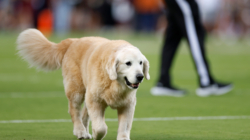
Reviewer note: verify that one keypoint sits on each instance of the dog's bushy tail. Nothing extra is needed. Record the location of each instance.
(35, 48)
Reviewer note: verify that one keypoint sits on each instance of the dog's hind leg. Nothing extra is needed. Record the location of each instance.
(75, 102)
(96, 112)
(75, 93)
(85, 119)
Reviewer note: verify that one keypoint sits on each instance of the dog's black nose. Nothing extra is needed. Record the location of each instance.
(139, 77)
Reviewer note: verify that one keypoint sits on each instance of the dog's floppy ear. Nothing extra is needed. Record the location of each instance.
(146, 68)
(111, 68)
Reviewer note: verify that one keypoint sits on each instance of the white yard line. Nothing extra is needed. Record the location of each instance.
(139, 119)
(44, 94)
(52, 94)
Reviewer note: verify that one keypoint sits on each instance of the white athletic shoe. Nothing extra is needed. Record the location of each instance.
(215, 89)
(164, 91)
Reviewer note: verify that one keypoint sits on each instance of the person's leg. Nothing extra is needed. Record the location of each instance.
(191, 26)
(171, 41)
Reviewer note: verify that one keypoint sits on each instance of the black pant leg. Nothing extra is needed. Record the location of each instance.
(172, 39)
(186, 14)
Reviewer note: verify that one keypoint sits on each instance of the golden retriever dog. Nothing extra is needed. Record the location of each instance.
(96, 71)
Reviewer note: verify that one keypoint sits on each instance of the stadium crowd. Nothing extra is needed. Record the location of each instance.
(220, 17)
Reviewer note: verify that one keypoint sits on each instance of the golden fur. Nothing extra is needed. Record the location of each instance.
(92, 72)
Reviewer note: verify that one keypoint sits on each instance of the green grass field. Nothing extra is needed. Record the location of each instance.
(28, 94)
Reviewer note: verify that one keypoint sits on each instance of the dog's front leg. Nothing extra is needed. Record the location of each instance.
(125, 117)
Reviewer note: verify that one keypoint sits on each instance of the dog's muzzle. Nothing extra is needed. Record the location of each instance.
(134, 86)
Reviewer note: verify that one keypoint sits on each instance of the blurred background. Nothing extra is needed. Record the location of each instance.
(222, 18)
(29, 94)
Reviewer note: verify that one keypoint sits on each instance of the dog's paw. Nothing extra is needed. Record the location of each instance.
(81, 134)
(123, 137)
(89, 136)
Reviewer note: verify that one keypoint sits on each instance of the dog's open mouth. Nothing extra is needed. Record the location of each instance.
(135, 86)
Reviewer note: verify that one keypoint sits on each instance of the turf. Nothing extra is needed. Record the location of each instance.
(29, 94)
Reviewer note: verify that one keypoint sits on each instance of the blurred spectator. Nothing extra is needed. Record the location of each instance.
(105, 12)
(11, 14)
(83, 17)
(234, 19)
(7, 15)
(24, 8)
(38, 6)
(45, 22)
(62, 15)
(226, 18)
(123, 12)
(209, 12)
(147, 12)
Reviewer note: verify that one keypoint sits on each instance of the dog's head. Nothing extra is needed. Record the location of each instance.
(128, 66)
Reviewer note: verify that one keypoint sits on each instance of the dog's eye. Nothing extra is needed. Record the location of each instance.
(128, 63)
(140, 62)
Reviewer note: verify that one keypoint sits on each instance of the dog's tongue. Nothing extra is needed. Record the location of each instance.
(135, 85)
